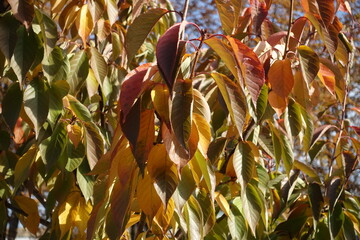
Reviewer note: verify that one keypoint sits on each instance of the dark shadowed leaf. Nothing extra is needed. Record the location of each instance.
(131, 124)
(337, 218)
(308, 170)
(181, 111)
(319, 132)
(36, 102)
(139, 30)
(23, 11)
(11, 104)
(333, 192)
(316, 199)
(55, 65)
(8, 35)
(168, 52)
(57, 91)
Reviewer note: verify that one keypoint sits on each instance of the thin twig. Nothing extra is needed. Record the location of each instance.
(185, 10)
(289, 27)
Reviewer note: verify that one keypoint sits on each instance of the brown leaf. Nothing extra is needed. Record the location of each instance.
(277, 102)
(281, 77)
(327, 11)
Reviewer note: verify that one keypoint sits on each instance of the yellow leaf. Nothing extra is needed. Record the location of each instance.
(160, 97)
(29, 206)
(84, 23)
(281, 77)
(67, 212)
(204, 131)
(277, 103)
(163, 216)
(134, 218)
(223, 204)
(148, 199)
(82, 216)
(74, 133)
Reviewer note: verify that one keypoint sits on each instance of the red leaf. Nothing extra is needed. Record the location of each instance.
(132, 86)
(275, 38)
(259, 12)
(327, 11)
(251, 68)
(296, 32)
(168, 52)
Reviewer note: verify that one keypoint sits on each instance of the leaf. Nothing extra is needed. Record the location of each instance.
(36, 102)
(23, 166)
(229, 14)
(336, 220)
(48, 31)
(319, 132)
(201, 106)
(84, 23)
(98, 65)
(236, 221)
(57, 91)
(79, 69)
(204, 130)
(300, 91)
(308, 170)
(75, 156)
(145, 138)
(11, 104)
(78, 109)
(277, 102)
(244, 162)
(259, 12)
(181, 111)
(85, 182)
(131, 87)
(281, 77)
(262, 100)
(194, 219)
(309, 63)
(185, 188)
(131, 125)
(293, 118)
(30, 207)
(53, 147)
(223, 204)
(297, 30)
(94, 143)
(327, 77)
(252, 70)
(148, 198)
(24, 56)
(160, 98)
(252, 206)
(92, 85)
(8, 35)
(327, 11)
(168, 52)
(333, 192)
(23, 11)
(112, 10)
(56, 67)
(234, 99)
(287, 153)
(316, 199)
(206, 171)
(163, 171)
(164, 215)
(139, 29)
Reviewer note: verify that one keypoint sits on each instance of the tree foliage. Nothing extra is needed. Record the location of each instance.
(114, 124)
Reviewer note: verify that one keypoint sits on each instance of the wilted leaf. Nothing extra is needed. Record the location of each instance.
(139, 30)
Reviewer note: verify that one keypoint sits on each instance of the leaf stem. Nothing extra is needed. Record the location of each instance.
(289, 27)
(197, 55)
(185, 10)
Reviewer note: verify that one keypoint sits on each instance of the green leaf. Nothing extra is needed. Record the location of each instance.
(76, 156)
(23, 11)
(207, 172)
(57, 91)
(24, 55)
(139, 30)
(244, 162)
(23, 166)
(308, 128)
(79, 110)
(8, 35)
(308, 170)
(349, 230)
(316, 199)
(337, 218)
(262, 102)
(53, 147)
(36, 102)
(86, 182)
(98, 65)
(48, 31)
(287, 153)
(234, 99)
(181, 111)
(252, 206)
(185, 188)
(309, 63)
(56, 67)
(11, 104)
(236, 221)
(94, 143)
(194, 219)
(293, 118)
(79, 69)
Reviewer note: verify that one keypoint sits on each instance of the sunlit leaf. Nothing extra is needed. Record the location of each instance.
(252, 206)
(201, 107)
(327, 77)
(277, 102)
(84, 23)
(281, 77)
(327, 11)
(309, 62)
(160, 96)
(98, 65)
(194, 219)
(236, 221)
(48, 30)
(244, 162)
(79, 69)
(229, 12)
(94, 143)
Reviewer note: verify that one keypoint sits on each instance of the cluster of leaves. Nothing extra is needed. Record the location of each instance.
(111, 127)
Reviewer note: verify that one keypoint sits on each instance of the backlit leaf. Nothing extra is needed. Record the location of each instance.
(229, 14)
(98, 65)
(201, 107)
(259, 12)
(139, 30)
(327, 77)
(30, 207)
(309, 62)
(293, 119)
(308, 170)
(234, 99)
(281, 77)
(160, 96)
(84, 23)
(204, 133)
(244, 162)
(236, 221)
(277, 102)
(36, 102)
(194, 219)
(327, 11)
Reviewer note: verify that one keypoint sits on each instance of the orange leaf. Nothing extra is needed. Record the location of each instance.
(327, 77)
(277, 103)
(281, 77)
(327, 11)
